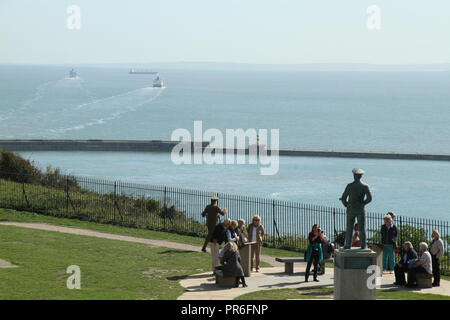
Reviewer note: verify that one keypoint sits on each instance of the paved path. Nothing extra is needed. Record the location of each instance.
(6, 264)
(202, 286)
(97, 234)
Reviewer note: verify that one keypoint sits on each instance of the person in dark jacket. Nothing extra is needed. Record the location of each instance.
(231, 263)
(219, 236)
(314, 252)
(402, 266)
(389, 236)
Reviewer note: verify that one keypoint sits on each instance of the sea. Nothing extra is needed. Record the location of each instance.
(315, 110)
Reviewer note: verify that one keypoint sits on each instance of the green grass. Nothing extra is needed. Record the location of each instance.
(327, 293)
(22, 216)
(110, 269)
(285, 294)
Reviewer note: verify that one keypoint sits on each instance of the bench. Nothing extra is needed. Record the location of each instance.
(289, 263)
(424, 280)
(224, 282)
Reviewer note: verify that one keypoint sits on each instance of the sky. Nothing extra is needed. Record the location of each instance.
(240, 31)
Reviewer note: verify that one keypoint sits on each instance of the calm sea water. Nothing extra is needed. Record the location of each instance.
(375, 111)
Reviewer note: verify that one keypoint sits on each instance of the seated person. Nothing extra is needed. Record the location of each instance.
(421, 266)
(231, 263)
(402, 266)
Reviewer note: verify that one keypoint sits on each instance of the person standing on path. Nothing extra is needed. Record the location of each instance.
(389, 237)
(314, 254)
(358, 195)
(255, 232)
(211, 213)
(437, 253)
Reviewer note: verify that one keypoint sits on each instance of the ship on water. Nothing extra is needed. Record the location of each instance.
(158, 83)
(72, 73)
(133, 71)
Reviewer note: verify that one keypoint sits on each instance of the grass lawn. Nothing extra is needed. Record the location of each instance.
(327, 293)
(21, 216)
(110, 269)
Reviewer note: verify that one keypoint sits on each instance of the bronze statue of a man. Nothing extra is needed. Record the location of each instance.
(358, 194)
(211, 213)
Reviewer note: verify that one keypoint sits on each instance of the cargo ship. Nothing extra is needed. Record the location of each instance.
(133, 71)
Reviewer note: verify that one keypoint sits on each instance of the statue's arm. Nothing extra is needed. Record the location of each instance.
(368, 196)
(344, 196)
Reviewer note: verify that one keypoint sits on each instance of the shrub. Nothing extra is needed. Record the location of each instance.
(14, 167)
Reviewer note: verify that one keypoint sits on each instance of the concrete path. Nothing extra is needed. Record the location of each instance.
(103, 235)
(5, 264)
(202, 286)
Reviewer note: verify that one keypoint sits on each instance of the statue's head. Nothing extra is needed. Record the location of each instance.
(214, 200)
(357, 174)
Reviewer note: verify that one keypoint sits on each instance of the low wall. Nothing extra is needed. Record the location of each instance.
(166, 146)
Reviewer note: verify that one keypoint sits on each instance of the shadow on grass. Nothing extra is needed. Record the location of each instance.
(195, 276)
(176, 251)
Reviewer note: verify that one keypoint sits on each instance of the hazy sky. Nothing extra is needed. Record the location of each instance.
(249, 31)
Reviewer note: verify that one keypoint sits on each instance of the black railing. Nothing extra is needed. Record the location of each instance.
(171, 209)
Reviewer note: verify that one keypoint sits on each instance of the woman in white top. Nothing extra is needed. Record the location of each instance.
(423, 265)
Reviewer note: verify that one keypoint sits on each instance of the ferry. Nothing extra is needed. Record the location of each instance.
(72, 74)
(133, 71)
(157, 83)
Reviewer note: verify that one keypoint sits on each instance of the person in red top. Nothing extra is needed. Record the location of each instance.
(356, 242)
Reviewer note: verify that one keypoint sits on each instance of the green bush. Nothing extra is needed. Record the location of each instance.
(14, 167)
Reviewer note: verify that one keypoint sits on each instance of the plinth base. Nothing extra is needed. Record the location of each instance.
(350, 274)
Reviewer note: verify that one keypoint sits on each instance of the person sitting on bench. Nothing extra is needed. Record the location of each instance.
(421, 266)
(402, 266)
(231, 263)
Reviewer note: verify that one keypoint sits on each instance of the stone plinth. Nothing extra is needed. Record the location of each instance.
(246, 255)
(350, 274)
(378, 248)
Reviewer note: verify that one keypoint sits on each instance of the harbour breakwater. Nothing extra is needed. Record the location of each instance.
(167, 146)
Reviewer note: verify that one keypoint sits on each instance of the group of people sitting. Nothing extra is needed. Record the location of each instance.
(410, 263)
(234, 234)
(428, 263)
